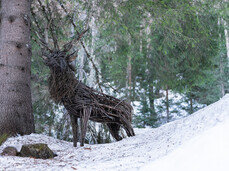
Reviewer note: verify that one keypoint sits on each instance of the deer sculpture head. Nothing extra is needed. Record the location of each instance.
(62, 81)
(60, 60)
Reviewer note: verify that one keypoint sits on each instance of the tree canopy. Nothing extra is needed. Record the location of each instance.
(144, 51)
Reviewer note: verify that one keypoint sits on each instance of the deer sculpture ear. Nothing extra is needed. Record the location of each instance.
(72, 58)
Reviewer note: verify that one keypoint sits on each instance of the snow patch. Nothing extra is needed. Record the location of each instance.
(207, 151)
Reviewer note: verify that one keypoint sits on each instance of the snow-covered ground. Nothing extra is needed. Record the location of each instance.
(208, 151)
(197, 143)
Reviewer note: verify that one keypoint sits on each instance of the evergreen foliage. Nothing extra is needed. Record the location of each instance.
(142, 49)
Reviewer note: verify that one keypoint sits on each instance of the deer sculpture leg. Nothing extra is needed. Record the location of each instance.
(114, 130)
(128, 128)
(74, 121)
(84, 117)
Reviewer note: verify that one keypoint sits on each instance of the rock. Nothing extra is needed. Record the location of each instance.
(9, 151)
(39, 151)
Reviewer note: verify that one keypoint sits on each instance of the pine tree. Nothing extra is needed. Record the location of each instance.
(15, 52)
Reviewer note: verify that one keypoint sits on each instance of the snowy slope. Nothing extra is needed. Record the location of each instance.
(208, 151)
(192, 141)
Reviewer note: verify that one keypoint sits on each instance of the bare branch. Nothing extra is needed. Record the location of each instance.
(87, 53)
(49, 20)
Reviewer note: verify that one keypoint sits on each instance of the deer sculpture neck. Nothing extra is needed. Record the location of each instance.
(61, 85)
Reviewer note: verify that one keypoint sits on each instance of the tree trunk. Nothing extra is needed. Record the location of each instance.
(227, 37)
(128, 75)
(221, 77)
(129, 79)
(93, 27)
(151, 100)
(221, 64)
(191, 105)
(167, 103)
(15, 68)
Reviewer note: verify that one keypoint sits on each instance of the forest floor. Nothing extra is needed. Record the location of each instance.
(196, 143)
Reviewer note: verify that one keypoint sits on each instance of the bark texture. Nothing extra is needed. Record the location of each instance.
(15, 95)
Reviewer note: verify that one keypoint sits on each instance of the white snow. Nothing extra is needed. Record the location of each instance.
(208, 151)
(197, 143)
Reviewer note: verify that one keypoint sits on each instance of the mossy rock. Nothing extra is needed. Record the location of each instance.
(3, 138)
(38, 151)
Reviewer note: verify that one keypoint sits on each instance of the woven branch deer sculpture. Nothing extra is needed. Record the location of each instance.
(82, 101)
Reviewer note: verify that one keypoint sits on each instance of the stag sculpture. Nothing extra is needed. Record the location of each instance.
(82, 101)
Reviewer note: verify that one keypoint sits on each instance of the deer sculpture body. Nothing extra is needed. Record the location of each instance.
(84, 102)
